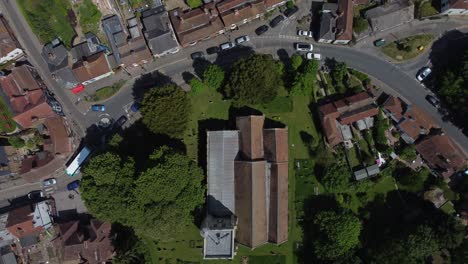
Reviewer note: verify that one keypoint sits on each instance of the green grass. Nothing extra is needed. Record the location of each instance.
(106, 92)
(267, 259)
(49, 19)
(140, 3)
(89, 17)
(6, 118)
(407, 47)
(425, 9)
(353, 158)
(281, 104)
(448, 208)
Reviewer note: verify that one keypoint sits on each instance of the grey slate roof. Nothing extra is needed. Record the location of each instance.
(157, 30)
(373, 170)
(115, 34)
(222, 148)
(219, 243)
(360, 174)
(390, 15)
(65, 78)
(56, 55)
(8, 258)
(28, 241)
(327, 24)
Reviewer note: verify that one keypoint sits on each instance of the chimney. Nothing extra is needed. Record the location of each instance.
(86, 64)
(236, 12)
(51, 56)
(206, 11)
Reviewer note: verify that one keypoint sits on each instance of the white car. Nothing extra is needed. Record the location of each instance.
(227, 45)
(242, 39)
(303, 47)
(304, 33)
(423, 73)
(314, 56)
(49, 182)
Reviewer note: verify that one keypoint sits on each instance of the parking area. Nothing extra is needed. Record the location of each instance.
(68, 202)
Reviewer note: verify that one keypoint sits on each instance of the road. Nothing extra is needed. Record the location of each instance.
(400, 78)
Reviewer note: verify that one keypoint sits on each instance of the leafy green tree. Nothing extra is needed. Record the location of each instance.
(339, 75)
(213, 76)
(194, 3)
(255, 80)
(16, 142)
(408, 153)
(115, 140)
(165, 110)
(196, 86)
(338, 233)
(89, 16)
(296, 61)
(409, 179)
(304, 83)
(336, 178)
(360, 24)
(290, 4)
(381, 125)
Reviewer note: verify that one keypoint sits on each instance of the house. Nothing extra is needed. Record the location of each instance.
(238, 12)
(59, 141)
(390, 15)
(115, 35)
(6, 238)
(9, 46)
(33, 112)
(28, 221)
(20, 81)
(337, 117)
(8, 258)
(134, 52)
(219, 237)
(410, 120)
(192, 26)
(56, 55)
(158, 32)
(336, 22)
(86, 48)
(92, 68)
(84, 241)
(247, 186)
(454, 7)
(441, 154)
(272, 4)
(36, 161)
(65, 78)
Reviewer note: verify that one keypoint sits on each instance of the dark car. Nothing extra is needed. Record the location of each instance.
(135, 107)
(261, 30)
(433, 100)
(196, 55)
(73, 185)
(379, 42)
(212, 50)
(35, 195)
(290, 11)
(121, 121)
(275, 22)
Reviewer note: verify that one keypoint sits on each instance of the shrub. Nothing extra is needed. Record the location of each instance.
(196, 85)
(360, 24)
(290, 4)
(296, 61)
(194, 3)
(16, 142)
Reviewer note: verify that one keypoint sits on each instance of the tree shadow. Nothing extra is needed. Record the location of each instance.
(199, 66)
(148, 81)
(446, 51)
(187, 76)
(226, 59)
(284, 57)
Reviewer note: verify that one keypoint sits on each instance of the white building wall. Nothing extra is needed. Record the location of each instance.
(15, 54)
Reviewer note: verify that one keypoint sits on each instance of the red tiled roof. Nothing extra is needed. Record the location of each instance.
(394, 105)
(278, 219)
(94, 66)
(416, 122)
(458, 4)
(270, 3)
(237, 15)
(28, 118)
(276, 144)
(227, 5)
(328, 109)
(7, 41)
(441, 154)
(356, 116)
(58, 133)
(332, 133)
(251, 200)
(344, 22)
(20, 222)
(135, 52)
(19, 81)
(359, 97)
(251, 136)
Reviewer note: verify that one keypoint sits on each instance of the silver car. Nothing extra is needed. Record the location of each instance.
(49, 182)
(424, 73)
(242, 39)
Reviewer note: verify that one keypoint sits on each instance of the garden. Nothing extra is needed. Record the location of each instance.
(7, 124)
(407, 48)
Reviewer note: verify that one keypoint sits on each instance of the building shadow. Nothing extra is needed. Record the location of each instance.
(204, 126)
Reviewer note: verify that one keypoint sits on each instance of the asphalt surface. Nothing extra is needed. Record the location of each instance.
(400, 78)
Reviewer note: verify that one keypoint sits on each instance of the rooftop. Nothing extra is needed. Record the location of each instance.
(92, 67)
(7, 40)
(56, 55)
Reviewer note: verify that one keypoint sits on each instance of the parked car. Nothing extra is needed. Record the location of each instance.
(242, 39)
(303, 47)
(35, 195)
(49, 182)
(314, 56)
(423, 73)
(290, 11)
(135, 106)
(73, 185)
(212, 50)
(98, 108)
(227, 46)
(304, 33)
(196, 55)
(276, 21)
(379, 42)
(121, 121)
(261, 30)
(433, 100)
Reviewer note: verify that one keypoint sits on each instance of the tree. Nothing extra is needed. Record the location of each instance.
(255, 80)
(304, 83)
(196, 86)
(336, 178)
(381, 125)
(409, 179)
(339, 75)
(156, 202)
(16, 142)
(338, 233)
(408, 153)
(213, 76)
(165, 110)
(194, 3)
(360, 24)
(290, 4)
(296, 61)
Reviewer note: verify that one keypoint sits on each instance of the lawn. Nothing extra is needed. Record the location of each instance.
(49, 19)
(6, 122)
(407, 48)
(425, 9)
(106, 92)
(89, 17)
(353, 158)
(267, 259)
